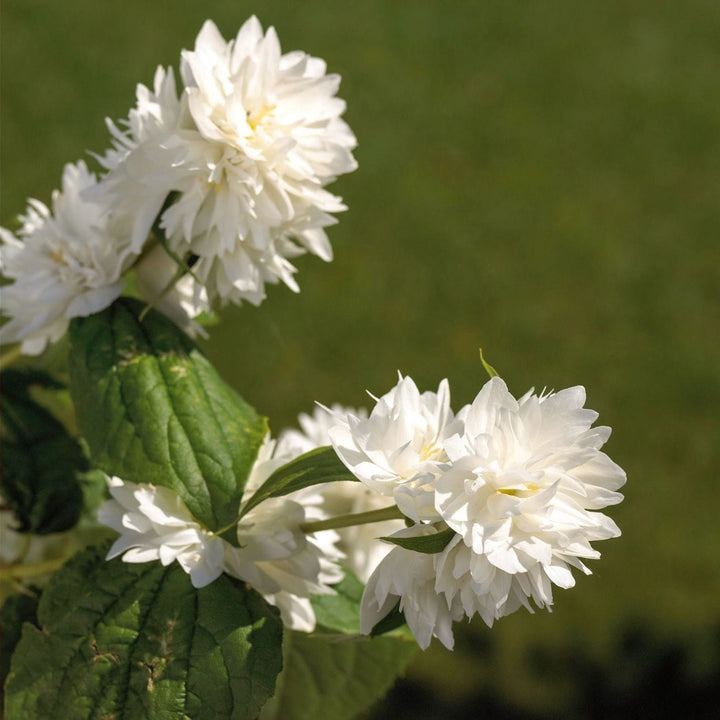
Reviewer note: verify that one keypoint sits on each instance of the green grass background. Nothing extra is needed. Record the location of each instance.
(539, 179)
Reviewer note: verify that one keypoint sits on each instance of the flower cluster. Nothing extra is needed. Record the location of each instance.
(207, 194)
(275, 556)
(511, 486)
(247, 149)
(65, 263)
(357, 544)
(506, 491)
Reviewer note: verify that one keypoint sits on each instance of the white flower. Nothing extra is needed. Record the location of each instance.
(398, 451)
(272, 455)
(155, 524)
(281, 562)
(519, 482)
(247, 148)
(361, 550)
(409, 577)
(314, 429)
(145, 154)
(471, 584)
(269, 459)
(526, 481)
(274, 555)
(181, 300)
(66, 263)
(435, 590)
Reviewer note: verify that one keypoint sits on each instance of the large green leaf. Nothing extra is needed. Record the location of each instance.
(321, 465)
(138, 641)
(336, 679)
(41, 463)
(154, 410)
(335, 673)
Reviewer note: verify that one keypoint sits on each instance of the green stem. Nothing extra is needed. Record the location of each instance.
(388, 513)
(341, 521)
(10, 357)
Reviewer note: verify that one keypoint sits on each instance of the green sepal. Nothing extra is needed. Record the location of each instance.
(139, 641)
(153, 410)
(429, 544)
(392, 621)
(41, 462)
(489, 369)
(321, 465)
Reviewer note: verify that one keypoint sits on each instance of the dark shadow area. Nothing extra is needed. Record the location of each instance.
(647, 677)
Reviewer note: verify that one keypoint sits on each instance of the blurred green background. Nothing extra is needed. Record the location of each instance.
(539, 179)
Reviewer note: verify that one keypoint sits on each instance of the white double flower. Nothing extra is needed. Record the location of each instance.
(518, 481)
(247, 149)
(207, 194)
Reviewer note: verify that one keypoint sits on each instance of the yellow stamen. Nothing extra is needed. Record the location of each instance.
(58, 256)
(254, 119)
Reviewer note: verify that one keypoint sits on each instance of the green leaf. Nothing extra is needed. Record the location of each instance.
(138, 641)
(340, 612)
(94, 490)
(335, 678)
(16, 610)
(321, 465)
(429, 544)
(153, 410)
(489, 369)
(335, 673)
(41, 463)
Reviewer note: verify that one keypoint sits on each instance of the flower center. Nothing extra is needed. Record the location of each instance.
(430, 451)
(254, 118)
(523, 490)
(58, 255)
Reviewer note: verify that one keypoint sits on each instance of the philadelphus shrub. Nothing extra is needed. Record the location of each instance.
(225, 539)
